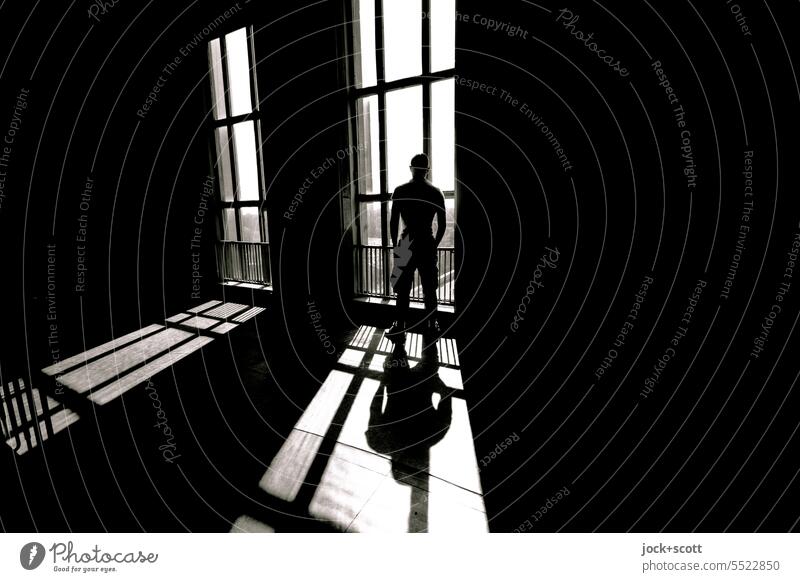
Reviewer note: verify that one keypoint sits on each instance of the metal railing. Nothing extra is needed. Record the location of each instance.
(374, 269)
(247, 262)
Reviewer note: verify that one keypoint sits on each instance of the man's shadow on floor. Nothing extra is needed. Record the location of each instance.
(409, 414)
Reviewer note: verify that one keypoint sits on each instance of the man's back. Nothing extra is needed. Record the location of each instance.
(417, 202)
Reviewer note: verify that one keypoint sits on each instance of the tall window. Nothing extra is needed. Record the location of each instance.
(243, 248)
(402, 103)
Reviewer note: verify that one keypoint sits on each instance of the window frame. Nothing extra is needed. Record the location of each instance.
(229, 121)
(381, 88)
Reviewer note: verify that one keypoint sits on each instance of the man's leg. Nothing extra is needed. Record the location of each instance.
(429, 276)
(403, 290)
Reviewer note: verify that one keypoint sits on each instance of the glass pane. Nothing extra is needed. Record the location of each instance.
(238, 72)
(369, 161)
(244, 149)
(443, 133)
(228, 224)
(223, 163)
(266, 227)
(450, 234)
(370, 218)
(402, 38)
(217, 86)
(403, 132)
(443, 34)
(364, 42)
(248, 223)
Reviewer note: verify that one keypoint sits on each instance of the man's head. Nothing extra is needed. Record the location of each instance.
(420, 166)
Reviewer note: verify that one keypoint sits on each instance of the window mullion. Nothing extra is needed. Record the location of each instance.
(426, 86)
(380, 63)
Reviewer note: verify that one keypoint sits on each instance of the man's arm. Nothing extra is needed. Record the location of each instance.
(394, 221)
(441, 219)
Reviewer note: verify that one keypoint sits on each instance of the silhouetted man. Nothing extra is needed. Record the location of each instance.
(416, 202)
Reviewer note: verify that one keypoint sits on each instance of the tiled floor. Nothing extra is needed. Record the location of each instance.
(117, 366)
(386, 444)
(105, 372)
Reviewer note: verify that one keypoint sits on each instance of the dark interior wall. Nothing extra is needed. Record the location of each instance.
(304, 134)
(623, 213)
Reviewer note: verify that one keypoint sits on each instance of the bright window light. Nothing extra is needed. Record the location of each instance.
(443, 34)
(402, 38)
(238, 72)
(371, 223)
(443, 134)
(248, 223)
(403, 132)
(244, 149)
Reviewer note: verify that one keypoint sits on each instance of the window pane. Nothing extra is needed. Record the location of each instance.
(244, 149)
(248, 223)
(364, 42)
(370, 218)
(238, 72)
(443, 134)
(443, 34)
(403, 132)
(223, 163)
(369, 161)
(450, 234)
(228, 224)
(217, 86)
(402, 38)
(266, 226)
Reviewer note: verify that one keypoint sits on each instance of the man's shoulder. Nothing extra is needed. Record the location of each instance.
(402, 189)
(436, 192)
(414, 187)
(429, 186)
